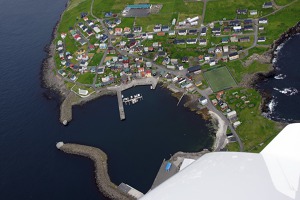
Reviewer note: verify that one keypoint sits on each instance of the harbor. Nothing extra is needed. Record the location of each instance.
(152, 81)
(132, 99)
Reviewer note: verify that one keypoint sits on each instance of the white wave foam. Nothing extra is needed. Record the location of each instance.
(280, 76)
(287, 91)
(272, 105)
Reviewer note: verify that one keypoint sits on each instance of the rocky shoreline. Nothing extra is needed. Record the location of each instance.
(252, 80)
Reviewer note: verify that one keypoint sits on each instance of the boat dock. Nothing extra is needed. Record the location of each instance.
(136, 82)
(133, 99)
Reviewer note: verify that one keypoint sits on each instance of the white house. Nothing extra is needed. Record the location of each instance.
(225, 49)
(236, 124)
(180, 67)
(233, 56)
(202, 42)
(203, 100)
(261, 39)
(232, 116)
(237, 28)
(263, 20)
(212, 63)
(191, 41)
(182, 32)
(96, 29)
(172, 32)
(206, 57)
(253, 12)
(82, 92)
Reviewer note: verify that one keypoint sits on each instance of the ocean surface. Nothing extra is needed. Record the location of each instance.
(284, 87)
(30, 165)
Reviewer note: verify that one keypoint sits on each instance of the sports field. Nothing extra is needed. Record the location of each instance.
(219, 79)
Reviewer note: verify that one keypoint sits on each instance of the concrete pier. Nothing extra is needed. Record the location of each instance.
(136, 82)
(121, 106)
(104, 183)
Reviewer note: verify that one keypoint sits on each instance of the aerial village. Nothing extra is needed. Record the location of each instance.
(100, 52)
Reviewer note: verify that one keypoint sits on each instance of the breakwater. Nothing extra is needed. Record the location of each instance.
(105, 186)
(73, 99)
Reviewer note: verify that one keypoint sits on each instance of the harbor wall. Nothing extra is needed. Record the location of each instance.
(105, 186)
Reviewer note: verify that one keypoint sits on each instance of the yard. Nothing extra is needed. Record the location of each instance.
(96, 59)
(86, 78)
(219, 79)
(219, 9)
(73, 12)
(282, 2)
(281, 22)
(239, 71)
(255, 130)
(116, 6)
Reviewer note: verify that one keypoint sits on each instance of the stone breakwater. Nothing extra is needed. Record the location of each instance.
(105, 186)
(72, 99)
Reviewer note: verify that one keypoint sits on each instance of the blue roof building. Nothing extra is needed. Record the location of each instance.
(139, 6)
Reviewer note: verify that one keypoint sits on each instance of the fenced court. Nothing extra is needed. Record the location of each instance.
(219, 78)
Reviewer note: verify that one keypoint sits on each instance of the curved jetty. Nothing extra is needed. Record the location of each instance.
(104, 183)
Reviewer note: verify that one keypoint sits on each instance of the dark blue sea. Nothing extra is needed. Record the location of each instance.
(285, 86)
(30, 165)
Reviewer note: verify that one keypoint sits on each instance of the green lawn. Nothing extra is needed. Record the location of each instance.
(257, 50)
(282, 21)
(86, 78)
(219, 9)
(148, 22)
(238, 71)
(282, 2)
(255, 131)
(127, 22)
(96, 59)
(219, 79)
(116, 6)
(73, 12)
(171, 9)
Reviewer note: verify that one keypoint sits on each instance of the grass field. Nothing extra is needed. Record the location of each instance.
(86, 78)
(74, 10)
(219, 9)
(96, 59)
(281, 22)
(257, 50)
(238, 71)
(116, 6)
(255, 131)
(282, 2)
(219, 79)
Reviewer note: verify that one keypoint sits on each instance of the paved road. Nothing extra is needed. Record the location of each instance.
(211, 107)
